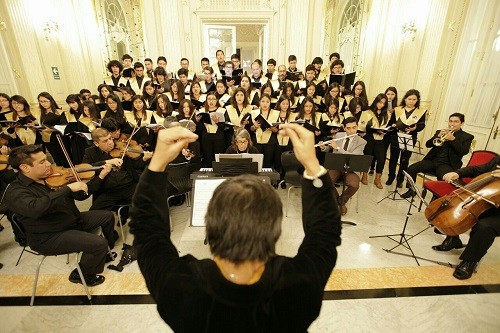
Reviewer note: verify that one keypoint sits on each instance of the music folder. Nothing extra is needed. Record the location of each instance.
(205, 117)
(257, 85)
(235, 78)
(293, 76)
(306, 125)
(345, 80)
(264, 124)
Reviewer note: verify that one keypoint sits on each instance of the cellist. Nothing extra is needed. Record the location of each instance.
(483, 233)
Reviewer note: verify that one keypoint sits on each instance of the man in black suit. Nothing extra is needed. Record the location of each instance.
(444, 158)
(483, 233)
(119, 186)
(53, 223)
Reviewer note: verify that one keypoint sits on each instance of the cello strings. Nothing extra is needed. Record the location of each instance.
(474, 193)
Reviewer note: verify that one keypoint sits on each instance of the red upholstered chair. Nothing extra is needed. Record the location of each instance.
(439, 188)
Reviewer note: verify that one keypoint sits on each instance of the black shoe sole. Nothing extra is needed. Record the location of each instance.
(89, 284)
(442, 249)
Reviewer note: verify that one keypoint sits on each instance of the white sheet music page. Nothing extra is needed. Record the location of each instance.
(203, 191)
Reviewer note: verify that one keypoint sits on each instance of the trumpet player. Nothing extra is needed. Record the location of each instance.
(447, 147)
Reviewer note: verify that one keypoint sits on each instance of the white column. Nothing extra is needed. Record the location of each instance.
(296, 33)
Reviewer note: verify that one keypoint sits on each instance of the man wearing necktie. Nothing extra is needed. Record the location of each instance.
(346, 145)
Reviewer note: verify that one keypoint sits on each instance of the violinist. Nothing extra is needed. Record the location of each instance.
(53, 223)
(72, 115)
(119, 186)
(483, 233)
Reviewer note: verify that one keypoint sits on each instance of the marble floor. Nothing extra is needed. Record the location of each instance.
(369, 290)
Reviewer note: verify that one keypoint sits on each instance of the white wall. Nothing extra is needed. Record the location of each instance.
(73, 49)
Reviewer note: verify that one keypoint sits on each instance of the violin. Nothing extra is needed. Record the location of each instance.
(133, 150)
(123, 138)
(63, 176)
(457, 212)
(4, 162)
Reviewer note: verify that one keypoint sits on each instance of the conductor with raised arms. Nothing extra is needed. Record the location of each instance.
(246, 286)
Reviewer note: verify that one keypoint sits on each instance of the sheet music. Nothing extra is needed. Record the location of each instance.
(60, 128)
(405, 141)
(87, 136)
(203, 191)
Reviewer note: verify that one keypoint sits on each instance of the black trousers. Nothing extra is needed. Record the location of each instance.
(377, 149)
(272, 155)
(398, 155)
(94, 247)
(211, 144)
(110, 198)
(440, 169)
(482, 235)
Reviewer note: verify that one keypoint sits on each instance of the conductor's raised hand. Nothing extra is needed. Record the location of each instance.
(303, 146)
(168, 146)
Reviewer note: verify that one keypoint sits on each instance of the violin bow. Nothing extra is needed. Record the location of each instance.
(68, 159)
(134, 130)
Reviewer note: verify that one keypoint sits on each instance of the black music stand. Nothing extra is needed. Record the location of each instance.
(404, 143)
(347, 163)
(403, 237)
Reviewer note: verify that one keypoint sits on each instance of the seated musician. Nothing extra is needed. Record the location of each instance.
(444, 158)
(242, 143)
(483, 233)
(119, 186)
(352, 145)
(53, 223)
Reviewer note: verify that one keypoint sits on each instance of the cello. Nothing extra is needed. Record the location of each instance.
(457, 212)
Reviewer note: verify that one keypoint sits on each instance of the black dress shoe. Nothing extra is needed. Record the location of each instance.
(371, 172)
(91, 280)
(408, 194)
(1, 265)
(449, 243)
(111, 256)
(399, 184)
(390, 180)
(465, 269)
(283, 184)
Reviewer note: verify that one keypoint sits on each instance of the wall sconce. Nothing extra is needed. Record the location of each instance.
(411, 28)
(50, 28)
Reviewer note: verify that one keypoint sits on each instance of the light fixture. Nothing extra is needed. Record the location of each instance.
(411, 28)
(50, 28)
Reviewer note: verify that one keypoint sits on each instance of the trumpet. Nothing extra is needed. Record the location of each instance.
(440, 140)
(330, 141)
